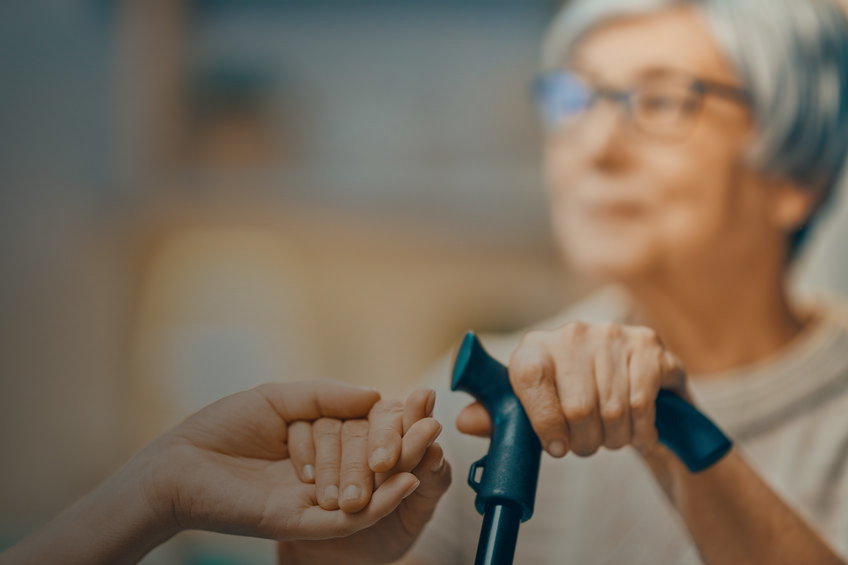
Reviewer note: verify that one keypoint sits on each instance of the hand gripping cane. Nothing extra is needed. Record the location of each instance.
(505, 478)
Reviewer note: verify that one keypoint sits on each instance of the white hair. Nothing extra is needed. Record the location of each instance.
(792, 55)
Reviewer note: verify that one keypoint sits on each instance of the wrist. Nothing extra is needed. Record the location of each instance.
(664, 465)
(116, 523)
(146, 476)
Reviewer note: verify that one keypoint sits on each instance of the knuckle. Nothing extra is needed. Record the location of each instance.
(388, 417)
(391, 407)
(577, 408)
(609, 330)
(550, 427)
(355, 429)
(575, 329)
(550, 417)
(326, 427)
(612, 411)
(645, 336)
(528, 373)
(641, 403)
(354, 466)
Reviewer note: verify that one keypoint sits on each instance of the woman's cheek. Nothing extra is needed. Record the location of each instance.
(691, 235)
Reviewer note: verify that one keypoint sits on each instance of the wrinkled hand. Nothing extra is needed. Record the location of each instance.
(227, 467)
(584, 386)
(346, 459)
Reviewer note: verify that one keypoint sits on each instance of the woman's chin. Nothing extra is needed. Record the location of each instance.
(613, 263)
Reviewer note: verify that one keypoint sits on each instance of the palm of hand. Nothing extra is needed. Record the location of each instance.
(384, 542)
(389, 538)
(242, 480)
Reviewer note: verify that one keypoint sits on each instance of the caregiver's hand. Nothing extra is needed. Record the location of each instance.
(225, 469)
(399, 438)
(584, 386)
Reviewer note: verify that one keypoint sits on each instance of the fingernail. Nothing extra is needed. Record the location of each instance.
(411, 488)
(556, 448)
(437, 466)
(380, 455)
(351, 493)
(431, 402)
(309, 472)
(331, 492)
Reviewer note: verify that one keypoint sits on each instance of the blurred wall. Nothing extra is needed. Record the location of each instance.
(201, 196)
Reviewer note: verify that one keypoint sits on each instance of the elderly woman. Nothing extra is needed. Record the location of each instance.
(690, 146)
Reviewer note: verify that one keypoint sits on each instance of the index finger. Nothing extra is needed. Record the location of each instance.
(310, 400)
(532, 373)
(385, 433)
(419, 404)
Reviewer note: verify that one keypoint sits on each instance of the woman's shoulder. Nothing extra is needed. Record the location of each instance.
(830, 307)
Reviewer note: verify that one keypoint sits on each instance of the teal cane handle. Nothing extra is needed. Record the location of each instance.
(688, 433)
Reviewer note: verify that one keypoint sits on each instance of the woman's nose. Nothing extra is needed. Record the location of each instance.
(600, 136)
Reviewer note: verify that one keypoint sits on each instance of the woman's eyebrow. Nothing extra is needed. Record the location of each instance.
(647, 73)
(584, 71)
(633, 77)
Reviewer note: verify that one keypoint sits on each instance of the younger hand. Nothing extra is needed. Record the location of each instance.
(227, 467)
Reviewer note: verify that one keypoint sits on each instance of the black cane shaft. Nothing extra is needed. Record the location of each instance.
(498, 534)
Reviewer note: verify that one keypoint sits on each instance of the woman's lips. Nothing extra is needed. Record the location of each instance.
(615, 210)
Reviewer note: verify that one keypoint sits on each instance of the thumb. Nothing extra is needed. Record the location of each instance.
(474, 420)
(319, 524)
(310, 400)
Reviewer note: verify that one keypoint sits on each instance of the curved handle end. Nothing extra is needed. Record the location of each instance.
(693, 437)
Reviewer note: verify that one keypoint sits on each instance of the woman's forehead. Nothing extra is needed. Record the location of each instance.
(630, 48)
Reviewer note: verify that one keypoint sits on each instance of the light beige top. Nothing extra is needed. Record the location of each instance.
(788, 414)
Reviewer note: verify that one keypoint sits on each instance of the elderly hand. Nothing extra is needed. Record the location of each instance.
(349, 457)
(584, 386)
(346, 459)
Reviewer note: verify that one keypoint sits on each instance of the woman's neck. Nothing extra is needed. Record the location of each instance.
(714, 326)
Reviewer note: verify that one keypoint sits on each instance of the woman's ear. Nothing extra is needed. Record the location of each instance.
(794, 203)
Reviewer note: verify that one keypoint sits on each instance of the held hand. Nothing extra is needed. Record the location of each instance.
(399, 438)
(584, 386)
(347, 459)
(227, 467)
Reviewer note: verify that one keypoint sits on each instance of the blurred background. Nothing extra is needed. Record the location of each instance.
(198, 196)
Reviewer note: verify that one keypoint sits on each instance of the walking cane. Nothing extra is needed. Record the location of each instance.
(505, 478)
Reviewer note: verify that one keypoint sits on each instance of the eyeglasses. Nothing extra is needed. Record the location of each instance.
(662, 106)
